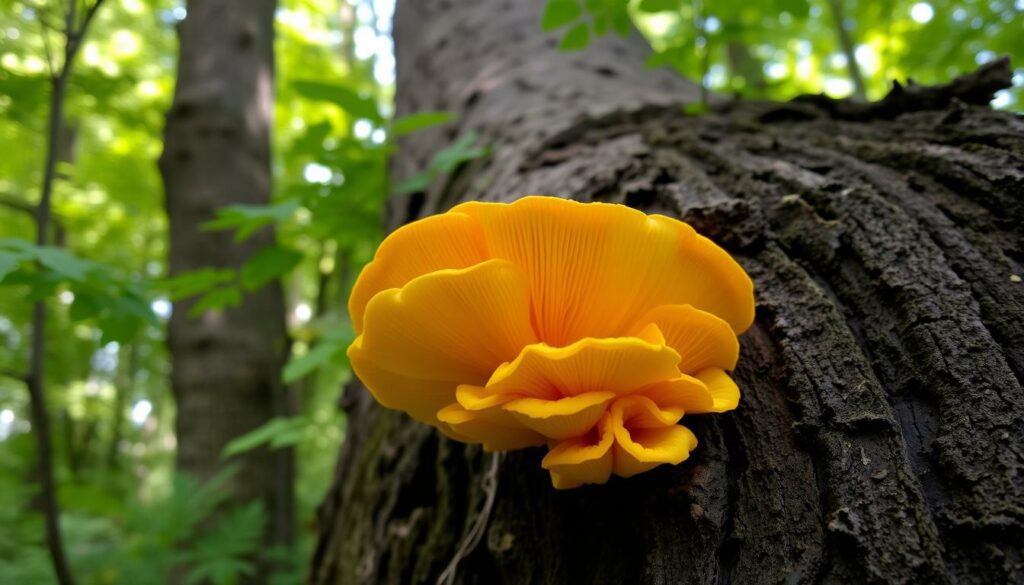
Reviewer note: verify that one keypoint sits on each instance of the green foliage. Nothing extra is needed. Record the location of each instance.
(419, 121)
(559, 13)
(23, 557)
(580, 19)
(778, 49)
(361, 106)
(326, 351)
(54, 264)
(268, 264)
(197, 282)
(164, 536)
(136, 543)
(280, 432)
(277, 432)
(658, 5)
(101, 293)
(576, 39)
(444, 161)
(218, 288)
(248, 219)
(223, 555)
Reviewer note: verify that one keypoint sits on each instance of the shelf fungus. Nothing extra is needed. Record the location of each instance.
(591, 328)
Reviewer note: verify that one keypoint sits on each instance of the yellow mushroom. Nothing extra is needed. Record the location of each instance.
(590, 327)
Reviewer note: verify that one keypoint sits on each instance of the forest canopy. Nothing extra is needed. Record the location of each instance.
(100, 267)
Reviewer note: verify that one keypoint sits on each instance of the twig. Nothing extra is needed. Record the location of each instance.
(70, 30)
(476, 531)
(14, 374)
(76, 34)
(47, 27)
(17, 205)
(846, 43)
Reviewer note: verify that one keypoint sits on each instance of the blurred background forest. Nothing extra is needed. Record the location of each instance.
(100, 272)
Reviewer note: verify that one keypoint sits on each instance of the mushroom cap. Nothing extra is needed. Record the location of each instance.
(591, 327)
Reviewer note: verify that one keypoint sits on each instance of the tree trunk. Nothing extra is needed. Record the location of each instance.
(226, 365)
(880, 436)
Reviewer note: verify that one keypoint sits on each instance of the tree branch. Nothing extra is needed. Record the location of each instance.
(47, 27)
(14, 374)
(14, 203)
(977, 88)
(17, 205)
(77, 34)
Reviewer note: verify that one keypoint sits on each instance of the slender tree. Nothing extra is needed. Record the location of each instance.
(880, 433)
(226, 364)
(72, 30)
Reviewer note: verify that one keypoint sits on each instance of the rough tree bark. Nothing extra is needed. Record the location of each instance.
(880, 436)
(226, 365)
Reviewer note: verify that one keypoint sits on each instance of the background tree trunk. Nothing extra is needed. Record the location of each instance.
(226, 365)
(880, 436)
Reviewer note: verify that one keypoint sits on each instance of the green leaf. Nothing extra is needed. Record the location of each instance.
(311, 142)
(341, 96)
(224, 554)
(268, 264)
(414, 184)
(86, 306)
(133, 302)
(249, 218)
(798, 8)
(119, 327)
(277, 432)
(8, 262)
(303, 365)
(289, 437)
(658, 6)
(192, 283)
(62, 262)
(444, 161)
(216, 299)
(576, 39)
(559, 13)
(671, 56)
(17, 244)
(460, 151)
(621, 22)
(419, 121)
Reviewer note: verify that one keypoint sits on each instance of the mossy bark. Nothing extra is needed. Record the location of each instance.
(880, 438)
